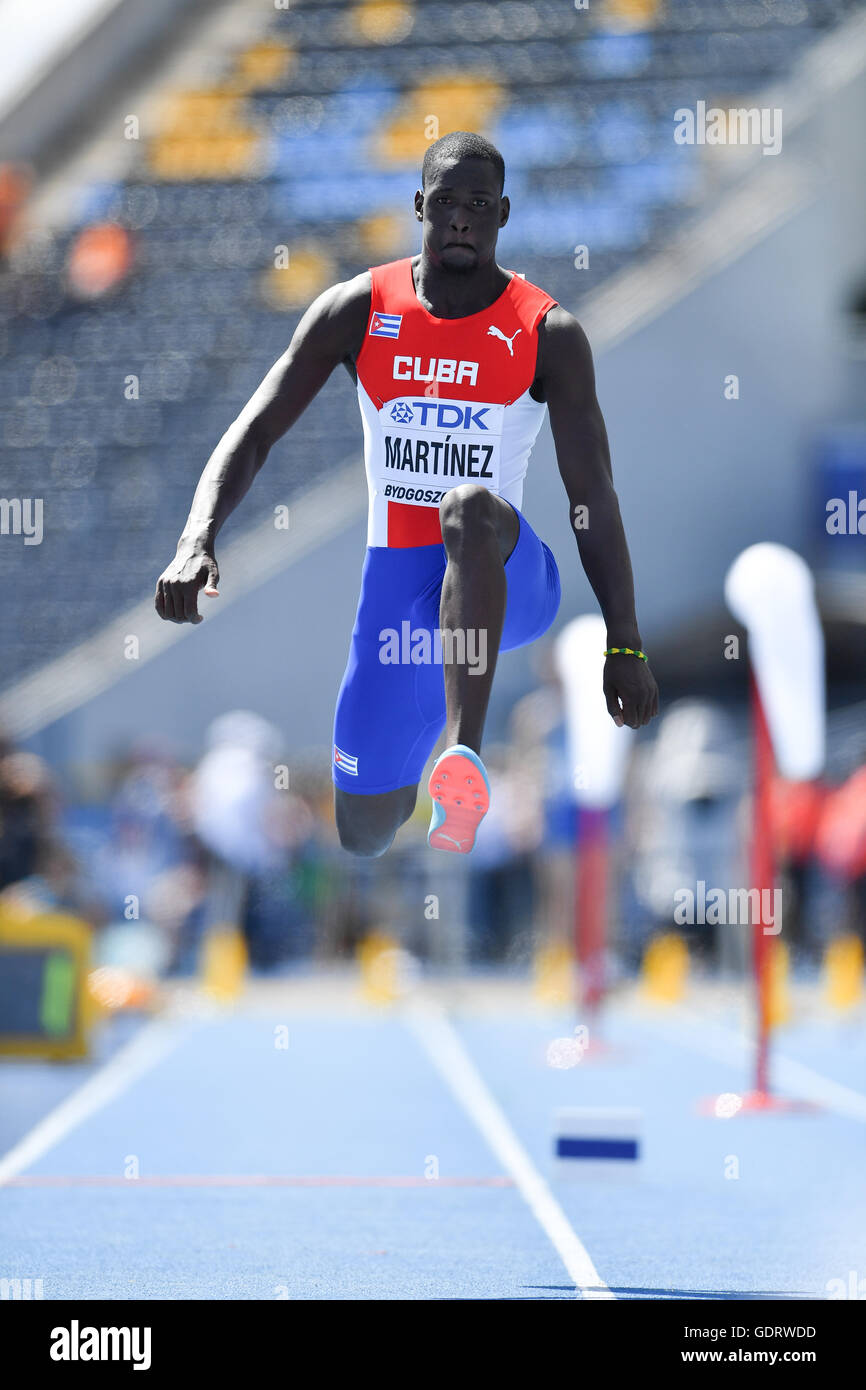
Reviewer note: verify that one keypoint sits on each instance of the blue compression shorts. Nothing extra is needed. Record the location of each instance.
(391, 712)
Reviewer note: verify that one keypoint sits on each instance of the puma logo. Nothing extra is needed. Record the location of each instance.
(494, 332)
(458, 843)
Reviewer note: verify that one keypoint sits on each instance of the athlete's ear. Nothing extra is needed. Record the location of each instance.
(419, 204)
(505, 209)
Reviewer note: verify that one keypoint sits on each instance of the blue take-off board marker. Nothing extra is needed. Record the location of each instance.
(597, 1142)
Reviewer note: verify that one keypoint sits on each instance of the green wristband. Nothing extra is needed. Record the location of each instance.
(625, 651)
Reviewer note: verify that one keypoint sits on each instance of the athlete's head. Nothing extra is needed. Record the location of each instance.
(460, 201)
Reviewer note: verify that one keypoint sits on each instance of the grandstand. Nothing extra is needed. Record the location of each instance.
(238, 1063)
(285, 160)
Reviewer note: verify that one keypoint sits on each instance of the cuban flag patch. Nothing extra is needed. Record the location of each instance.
(345, 762)
(385, 325)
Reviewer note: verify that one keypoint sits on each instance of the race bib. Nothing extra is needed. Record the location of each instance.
(431, 445)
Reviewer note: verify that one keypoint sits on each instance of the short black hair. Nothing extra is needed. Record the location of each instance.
(461, 144)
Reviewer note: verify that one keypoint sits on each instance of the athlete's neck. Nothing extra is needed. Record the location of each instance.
(449, 294)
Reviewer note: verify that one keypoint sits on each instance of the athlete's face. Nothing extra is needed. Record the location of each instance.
(461, 210)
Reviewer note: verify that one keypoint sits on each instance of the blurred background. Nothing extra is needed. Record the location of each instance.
(178, 181)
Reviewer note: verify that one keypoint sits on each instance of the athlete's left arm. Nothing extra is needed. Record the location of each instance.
(566, 376)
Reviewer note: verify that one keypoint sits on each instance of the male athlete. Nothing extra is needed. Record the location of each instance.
(454, 360)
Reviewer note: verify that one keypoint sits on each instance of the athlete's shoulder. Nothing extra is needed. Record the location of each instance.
(347, 298)
(561, 330)
(564, 353)
(336, 321)
(529, 300)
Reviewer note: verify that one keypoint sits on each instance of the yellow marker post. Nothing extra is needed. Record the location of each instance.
(224, 962)
(553, 968)
(779, 1001)
(843, 973)
(665, 969)
(379, 959)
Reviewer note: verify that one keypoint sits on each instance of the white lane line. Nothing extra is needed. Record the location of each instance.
(796, 1076)
(141, 1053)
(452, 1061)
(723, 1043)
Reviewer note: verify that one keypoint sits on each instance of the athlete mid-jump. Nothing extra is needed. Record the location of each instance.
(454, 360)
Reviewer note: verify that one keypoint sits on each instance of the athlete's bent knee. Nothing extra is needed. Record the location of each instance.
(368, 829)
(466, 508)
(358, 840)
(362, 846)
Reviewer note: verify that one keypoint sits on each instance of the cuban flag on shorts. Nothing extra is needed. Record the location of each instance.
(345, 762)
(385, 325)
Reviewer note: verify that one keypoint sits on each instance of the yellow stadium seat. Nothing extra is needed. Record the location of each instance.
(264, 64)
(435, 107)
(308, 273)
(381, 235)
(204, 135)
(382, 21)
(630, 14)
(205, 112)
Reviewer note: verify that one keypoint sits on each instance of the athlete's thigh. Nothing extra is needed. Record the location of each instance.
(534, 589)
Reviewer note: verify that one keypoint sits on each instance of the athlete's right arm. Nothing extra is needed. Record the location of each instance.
(331, 331)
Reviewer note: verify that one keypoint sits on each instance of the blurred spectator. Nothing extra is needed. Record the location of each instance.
(501, 899)
(250, 822)
(146, 864)
(37, 870)
(796, 810)
(15, 184)
(539, 740)
(841, 847)
(682, 823)
(26, 816)
(99, 260)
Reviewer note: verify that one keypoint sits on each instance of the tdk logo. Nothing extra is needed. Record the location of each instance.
(436, 369)
(439, 415)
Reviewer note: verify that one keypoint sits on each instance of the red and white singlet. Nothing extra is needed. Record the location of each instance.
(444, 402)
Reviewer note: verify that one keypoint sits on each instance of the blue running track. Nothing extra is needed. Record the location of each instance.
(202, 1159)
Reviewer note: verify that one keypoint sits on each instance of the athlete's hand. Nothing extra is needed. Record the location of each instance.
(177, 588)
(630, 691)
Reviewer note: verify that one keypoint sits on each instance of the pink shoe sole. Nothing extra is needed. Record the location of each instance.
(461, 798)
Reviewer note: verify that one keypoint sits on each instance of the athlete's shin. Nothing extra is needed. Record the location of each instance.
(472, 608)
